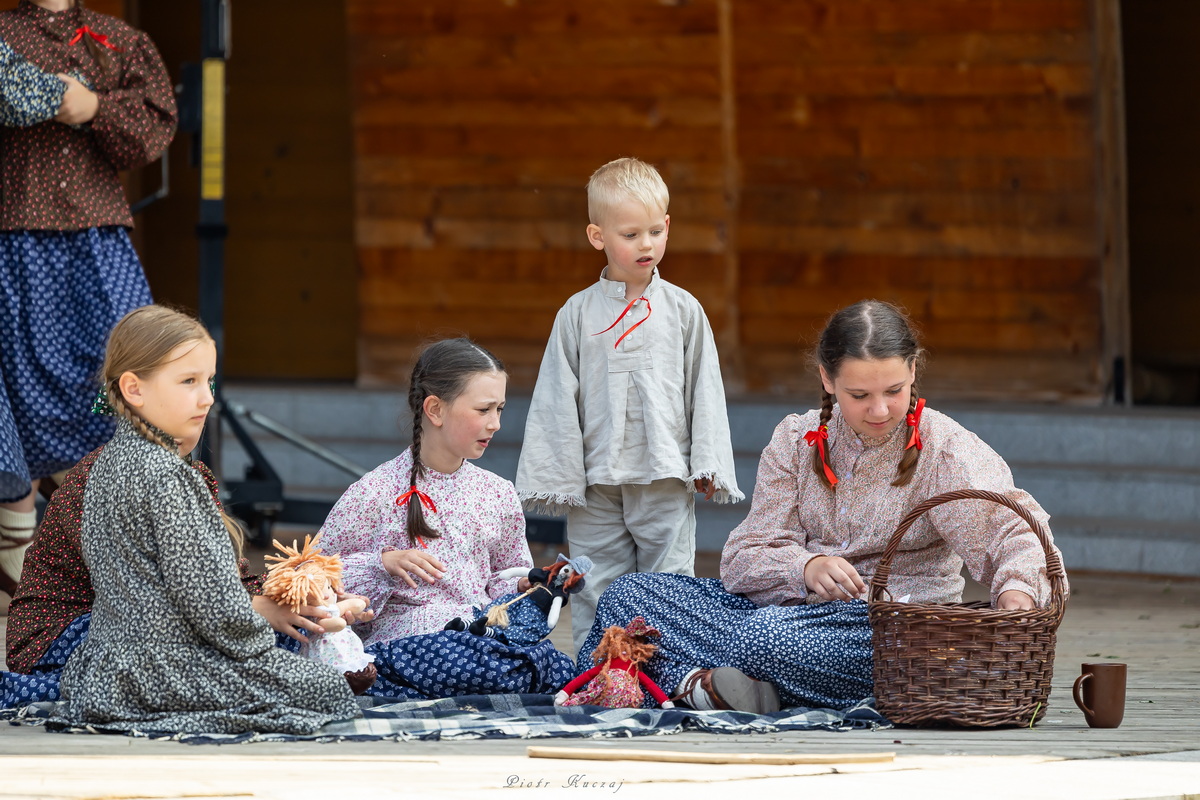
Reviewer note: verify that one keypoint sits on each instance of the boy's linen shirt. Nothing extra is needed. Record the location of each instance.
(651, 408)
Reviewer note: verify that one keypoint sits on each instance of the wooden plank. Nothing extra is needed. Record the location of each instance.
(906, 15)
(1051, 143)
(624, 112)
(760, 43)
(659, 48)
(948, 240)
(1066, 336)
(952, 80)
(532, 81)
(542, 171)
(1112, 202)
(793, 206)
(942, 305)
(591, 754)
(600, 144)
(573, 18)
(1011, 173)
(804, 111)
(921, 273)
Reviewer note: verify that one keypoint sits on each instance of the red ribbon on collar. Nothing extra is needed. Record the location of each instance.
(818, 437)
(426, 501)
(622, 316)
(914, 421)
(99, 37)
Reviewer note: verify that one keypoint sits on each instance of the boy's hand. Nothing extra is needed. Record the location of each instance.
(79, 103)
(402, 562)
(833, 578)
(707, 487)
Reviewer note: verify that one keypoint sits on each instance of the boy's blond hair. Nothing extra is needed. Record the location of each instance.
(622, 179)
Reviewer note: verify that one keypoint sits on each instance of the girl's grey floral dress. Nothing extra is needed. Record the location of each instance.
(174, 643)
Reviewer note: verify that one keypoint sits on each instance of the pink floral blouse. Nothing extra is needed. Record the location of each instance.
(794, 517)
(482, 533)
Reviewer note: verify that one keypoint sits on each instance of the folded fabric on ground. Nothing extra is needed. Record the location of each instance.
(506, 716)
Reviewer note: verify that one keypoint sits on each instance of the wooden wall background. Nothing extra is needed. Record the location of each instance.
(938, 153)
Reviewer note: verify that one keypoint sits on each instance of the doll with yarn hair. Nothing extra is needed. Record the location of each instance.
(617, 679)
(306, 577)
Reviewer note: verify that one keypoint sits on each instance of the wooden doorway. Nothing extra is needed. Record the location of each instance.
(290, 301)
(1162, 75)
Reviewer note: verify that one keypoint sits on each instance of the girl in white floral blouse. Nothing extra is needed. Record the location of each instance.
(787, 623)
(426, 535)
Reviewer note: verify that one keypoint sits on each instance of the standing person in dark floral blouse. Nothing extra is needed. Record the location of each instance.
(67, 269)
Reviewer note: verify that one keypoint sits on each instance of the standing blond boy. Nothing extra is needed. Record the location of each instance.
(628, 415)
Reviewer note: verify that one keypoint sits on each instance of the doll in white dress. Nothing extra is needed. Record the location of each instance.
(306, 577)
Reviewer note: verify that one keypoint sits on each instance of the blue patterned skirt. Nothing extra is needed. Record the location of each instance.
(41, 685)
(432, 665)
(453, 663)
(60, 295)
(818, 656)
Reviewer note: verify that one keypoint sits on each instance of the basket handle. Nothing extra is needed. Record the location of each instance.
(1054, 566)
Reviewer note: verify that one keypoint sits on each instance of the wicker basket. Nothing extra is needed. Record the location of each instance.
(963, 664)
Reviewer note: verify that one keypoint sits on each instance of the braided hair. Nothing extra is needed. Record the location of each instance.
(443, 370)
(870, 330)
(99, 53)
(141, 343)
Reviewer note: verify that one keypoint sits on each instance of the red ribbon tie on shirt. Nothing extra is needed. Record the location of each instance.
(818, 437)
(914, 422)
(425, 499)
(99, 37)
(622, 316)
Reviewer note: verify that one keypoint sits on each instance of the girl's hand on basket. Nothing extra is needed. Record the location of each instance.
(401, 562)
(1014, 600)
(832, 578)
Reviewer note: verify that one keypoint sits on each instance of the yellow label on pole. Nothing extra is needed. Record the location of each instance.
(212, 131)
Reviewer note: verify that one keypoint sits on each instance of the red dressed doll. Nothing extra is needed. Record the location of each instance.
(617, 679)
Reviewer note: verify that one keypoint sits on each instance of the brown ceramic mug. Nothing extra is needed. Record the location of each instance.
(1100, 694)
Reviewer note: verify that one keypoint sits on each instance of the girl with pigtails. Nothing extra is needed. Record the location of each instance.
(787, 623)
(427, 536)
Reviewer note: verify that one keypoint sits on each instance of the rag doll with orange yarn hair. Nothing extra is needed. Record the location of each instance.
(306, 577)
(617, 679)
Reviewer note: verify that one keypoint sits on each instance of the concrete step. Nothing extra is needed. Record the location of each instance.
(1122, 486)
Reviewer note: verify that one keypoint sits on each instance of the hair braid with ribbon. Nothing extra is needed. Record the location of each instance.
(442, 370)
(912, 447)
(818, 440)
(97, 44)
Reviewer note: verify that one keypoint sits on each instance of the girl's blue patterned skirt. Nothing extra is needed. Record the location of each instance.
(818, 656)
(60, 295)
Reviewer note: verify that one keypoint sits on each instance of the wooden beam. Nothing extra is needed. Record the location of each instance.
(1111, 198)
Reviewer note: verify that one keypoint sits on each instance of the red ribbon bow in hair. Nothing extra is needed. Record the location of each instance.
(622, 316)
(99, 37)
(914, 422)
(425, 499)
(818, 437)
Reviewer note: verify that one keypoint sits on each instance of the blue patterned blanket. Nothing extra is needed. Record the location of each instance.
(507, 716)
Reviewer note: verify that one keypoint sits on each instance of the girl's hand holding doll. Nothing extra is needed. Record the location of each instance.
(403, 562)
(288, 622)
